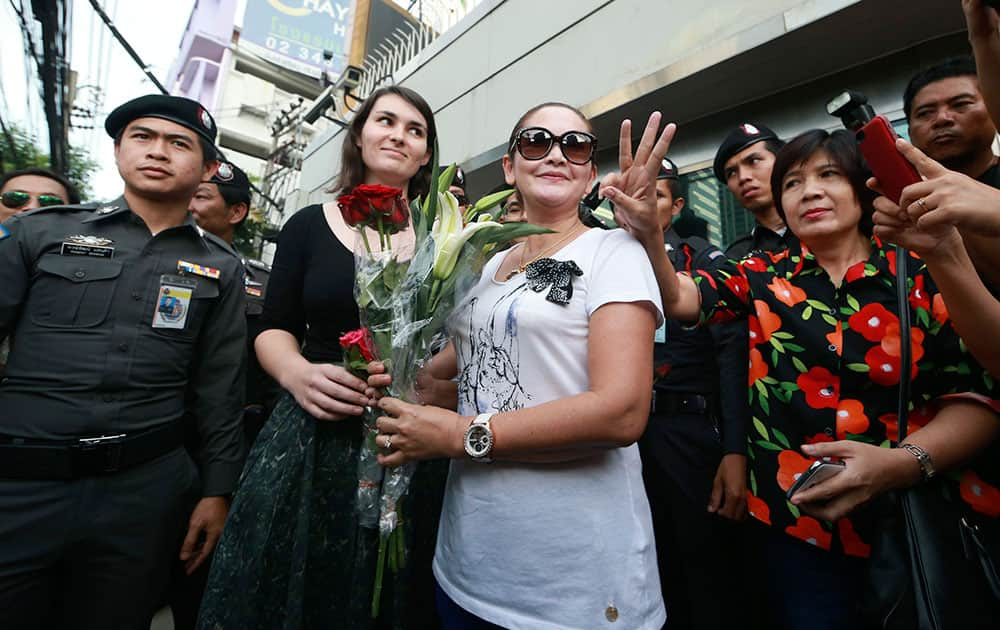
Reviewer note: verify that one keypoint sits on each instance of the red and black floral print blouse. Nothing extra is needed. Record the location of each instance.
(825, 365)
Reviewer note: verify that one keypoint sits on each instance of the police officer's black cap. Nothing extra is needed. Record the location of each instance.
(177, 109)
(668, 170)
(459, 179)
(739, 139)
(231, 175)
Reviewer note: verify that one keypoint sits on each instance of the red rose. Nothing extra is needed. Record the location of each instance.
(351, 207)
(369, 204)
(821, 388)
(358, 339)
(398, 218)
(870, 321)
(378, 197)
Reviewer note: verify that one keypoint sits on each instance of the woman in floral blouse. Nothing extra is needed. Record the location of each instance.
(825, 370)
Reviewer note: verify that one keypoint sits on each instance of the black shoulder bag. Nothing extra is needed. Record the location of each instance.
(931, 567)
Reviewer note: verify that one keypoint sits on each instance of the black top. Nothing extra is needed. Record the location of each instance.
(706, 360)
(761, 239)
(104, 341)
(311, 290)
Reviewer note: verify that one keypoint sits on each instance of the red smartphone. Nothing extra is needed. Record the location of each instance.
(820, 471)
(877, 142)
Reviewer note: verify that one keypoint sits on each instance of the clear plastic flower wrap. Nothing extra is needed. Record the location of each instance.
(405, 298)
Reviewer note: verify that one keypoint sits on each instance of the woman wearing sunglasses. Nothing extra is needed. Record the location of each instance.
(545, 521)
(32, 188)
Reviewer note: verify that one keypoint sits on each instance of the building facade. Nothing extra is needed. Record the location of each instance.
(708, 66)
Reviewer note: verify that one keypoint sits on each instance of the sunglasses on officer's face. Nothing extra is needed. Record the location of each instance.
(534, 143)
(17, 199)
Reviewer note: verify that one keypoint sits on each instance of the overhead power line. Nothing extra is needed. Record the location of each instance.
(128, 47)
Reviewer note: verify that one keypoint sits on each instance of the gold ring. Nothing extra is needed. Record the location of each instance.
(923, 205)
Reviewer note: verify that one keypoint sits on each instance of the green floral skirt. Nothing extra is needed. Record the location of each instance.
(292, 555)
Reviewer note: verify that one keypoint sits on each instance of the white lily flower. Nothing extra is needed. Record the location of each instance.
(449, 218)
(447, 250)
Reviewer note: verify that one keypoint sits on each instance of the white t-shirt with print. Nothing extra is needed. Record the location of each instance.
(548, 546)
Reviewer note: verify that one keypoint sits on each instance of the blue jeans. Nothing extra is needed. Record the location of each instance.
(454, 617)
(809, 588)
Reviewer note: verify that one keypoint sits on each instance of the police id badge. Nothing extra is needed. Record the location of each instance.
(173, 301)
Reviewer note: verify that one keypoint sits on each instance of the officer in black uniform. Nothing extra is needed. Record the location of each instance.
(220, 206)
(743, 163)
(120, 318)
(694, 447)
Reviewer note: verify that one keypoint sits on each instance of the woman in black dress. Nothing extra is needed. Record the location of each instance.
(292, 554)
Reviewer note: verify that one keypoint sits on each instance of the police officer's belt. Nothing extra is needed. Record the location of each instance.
(85, 457)
(666, 402)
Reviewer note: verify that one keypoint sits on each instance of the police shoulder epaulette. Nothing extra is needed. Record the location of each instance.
(76, 207)
(212, 238)
(259, 264)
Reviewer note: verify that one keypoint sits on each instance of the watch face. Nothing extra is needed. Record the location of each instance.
(478, 440)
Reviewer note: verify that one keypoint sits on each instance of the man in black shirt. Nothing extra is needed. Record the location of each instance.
(121, 318)
(949, 122)
(694, 447)
(743, 163)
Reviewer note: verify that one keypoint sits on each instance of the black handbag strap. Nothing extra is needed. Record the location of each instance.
(902, 297)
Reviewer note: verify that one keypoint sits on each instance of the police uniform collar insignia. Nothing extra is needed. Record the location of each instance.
(106, 209)
(194, 269)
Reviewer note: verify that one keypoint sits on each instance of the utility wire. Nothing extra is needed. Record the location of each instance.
(128, 47)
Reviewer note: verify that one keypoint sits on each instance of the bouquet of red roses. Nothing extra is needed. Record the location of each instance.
(405, 299)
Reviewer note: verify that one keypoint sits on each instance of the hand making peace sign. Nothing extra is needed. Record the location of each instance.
(633, 188)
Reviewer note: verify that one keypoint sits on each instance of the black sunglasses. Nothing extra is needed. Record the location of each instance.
(534, 143)
(17, 199)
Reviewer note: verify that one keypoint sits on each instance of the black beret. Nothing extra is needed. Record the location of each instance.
(231, 175)
(459, 179)
(668, 170)
(739, 139)
(177, 109)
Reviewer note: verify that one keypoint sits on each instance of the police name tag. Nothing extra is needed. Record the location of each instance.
(92, 246)
(173, 302)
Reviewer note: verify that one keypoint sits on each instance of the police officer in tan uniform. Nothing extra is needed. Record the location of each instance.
(120, 318)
